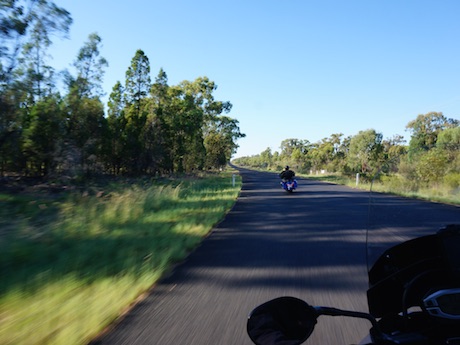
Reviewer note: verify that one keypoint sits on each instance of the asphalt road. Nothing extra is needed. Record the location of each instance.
(309, 244)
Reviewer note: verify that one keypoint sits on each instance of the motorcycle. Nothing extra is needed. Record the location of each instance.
(413, 298)
(289, 185)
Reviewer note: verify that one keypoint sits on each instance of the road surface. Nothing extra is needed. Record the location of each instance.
(309, 244)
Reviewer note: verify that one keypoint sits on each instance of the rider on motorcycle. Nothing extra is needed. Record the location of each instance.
(287, 174)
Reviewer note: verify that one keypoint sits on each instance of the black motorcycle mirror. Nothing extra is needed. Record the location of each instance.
(282, 321)
(291, 321)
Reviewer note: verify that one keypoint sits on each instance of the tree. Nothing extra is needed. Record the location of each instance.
(215, 150)
(34, 70)
(20, 19)
(137, 88)
(220, 141)
(86, 124)
(45, 20)
(321, 154)
(431, 166)
(116, 122)
(90, 67)
(337, 161)
(425, 130)
(449, 144)
(288, 145)
(13, 26)
(207, 121)
(138, 82)
(266, 157)
(449, 139)
(189, 151)
(364, 153)
(187, 116)
(33, 22)
(297, 156)
(202, 91)
(41, 137)
(159, 90)
(160, 113)
(393, 149)
(328, 154)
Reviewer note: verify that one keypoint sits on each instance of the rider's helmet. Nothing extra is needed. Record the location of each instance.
(287, 167)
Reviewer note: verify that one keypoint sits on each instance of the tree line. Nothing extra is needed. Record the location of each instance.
(147, 127)
(431, 157)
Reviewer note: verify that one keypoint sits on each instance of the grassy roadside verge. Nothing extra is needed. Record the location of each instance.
(70, 266)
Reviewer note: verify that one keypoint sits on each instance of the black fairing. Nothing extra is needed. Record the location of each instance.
(406, 273)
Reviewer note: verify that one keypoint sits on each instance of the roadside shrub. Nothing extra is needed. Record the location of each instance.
(398, 183)
(452, 180)
(431, 166)
(407, 170)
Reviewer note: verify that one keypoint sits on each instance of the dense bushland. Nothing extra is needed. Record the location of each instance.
(146, 127)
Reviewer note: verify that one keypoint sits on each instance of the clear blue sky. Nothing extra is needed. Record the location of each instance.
(294, 68)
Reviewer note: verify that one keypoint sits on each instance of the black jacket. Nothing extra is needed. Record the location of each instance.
(287, 174)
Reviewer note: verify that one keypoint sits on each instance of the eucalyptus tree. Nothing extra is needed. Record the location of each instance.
(41, 138)
(394, 149)
(116, 123)
(13, 26)
(138, 83)
(365, 151)
(185, 121)
(159, 132)
(431, 166)
(266, 157)
(44, 19)
(449, 142)
(182, 121)
(137, 88)
(449, 139)
(339, 144)
(86, 122)
(287, 146)
(220, 141)
(203, 118)
(321, 154)
(19, 20)
(425, 129)
(230, 129)
(220, 132)
(36, 75)
(90, 66)
(26, 27)
(215, 150)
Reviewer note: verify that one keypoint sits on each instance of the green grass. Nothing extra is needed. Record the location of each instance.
(71, 265)
(337, 179)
